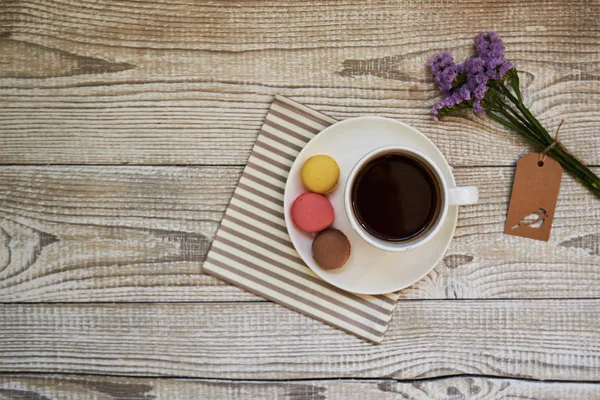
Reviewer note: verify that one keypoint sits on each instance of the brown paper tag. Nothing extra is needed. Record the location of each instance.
(533, 197)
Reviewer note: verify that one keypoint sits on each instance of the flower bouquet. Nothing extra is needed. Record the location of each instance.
(489, 84)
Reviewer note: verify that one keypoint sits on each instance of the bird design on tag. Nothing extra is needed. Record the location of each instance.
(534, 220)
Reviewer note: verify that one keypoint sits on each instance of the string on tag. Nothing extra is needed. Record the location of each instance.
(554, 143)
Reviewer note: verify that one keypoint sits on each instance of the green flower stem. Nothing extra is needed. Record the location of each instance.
(579, 171)
(520, 128)
(521, 121)
(536, 128)
(532, 125)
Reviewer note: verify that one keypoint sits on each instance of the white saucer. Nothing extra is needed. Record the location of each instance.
(369, 269)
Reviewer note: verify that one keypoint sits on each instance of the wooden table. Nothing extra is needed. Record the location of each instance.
(124, 129)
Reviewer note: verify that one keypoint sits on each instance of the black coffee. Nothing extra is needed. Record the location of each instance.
(396, 197)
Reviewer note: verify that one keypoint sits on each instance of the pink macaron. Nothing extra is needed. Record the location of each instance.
(312, 212)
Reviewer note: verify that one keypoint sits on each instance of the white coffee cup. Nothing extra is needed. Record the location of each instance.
(449, 196)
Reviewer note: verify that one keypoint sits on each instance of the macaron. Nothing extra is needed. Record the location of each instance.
(331, 249)
(312, 212)
(320, 174)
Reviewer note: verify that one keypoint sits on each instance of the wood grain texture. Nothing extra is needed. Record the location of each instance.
(460, 388)
(189, 83)
(536, 339)
(99, 82)
(124, 234)
(141, 234)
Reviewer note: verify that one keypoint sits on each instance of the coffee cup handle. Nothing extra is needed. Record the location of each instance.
(458, 196)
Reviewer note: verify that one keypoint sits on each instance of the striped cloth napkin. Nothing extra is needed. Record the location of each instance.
(252, 248)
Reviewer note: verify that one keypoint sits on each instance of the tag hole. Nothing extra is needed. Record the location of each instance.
(540, 163)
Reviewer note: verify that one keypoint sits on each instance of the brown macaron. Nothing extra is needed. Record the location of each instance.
(331, 249)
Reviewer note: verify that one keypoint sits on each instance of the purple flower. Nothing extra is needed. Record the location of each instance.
(476, 80)
(448, 102)
(477, 107)
(444, 70)
(490, 49)
(464, 92)
(468, 82)
(474, 68)
(473, 88)
(504, 68)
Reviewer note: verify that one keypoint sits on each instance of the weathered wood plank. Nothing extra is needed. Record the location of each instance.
(124, 234)
(85, 387)
(235, 26)
(539, 339)
(190, 83)
(76, 234)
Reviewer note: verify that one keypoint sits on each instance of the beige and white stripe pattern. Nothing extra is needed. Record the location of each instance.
(252, 248)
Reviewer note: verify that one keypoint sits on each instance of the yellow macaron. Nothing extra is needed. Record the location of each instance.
(320, 174)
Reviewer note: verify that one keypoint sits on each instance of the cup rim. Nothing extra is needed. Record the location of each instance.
(380, 243)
